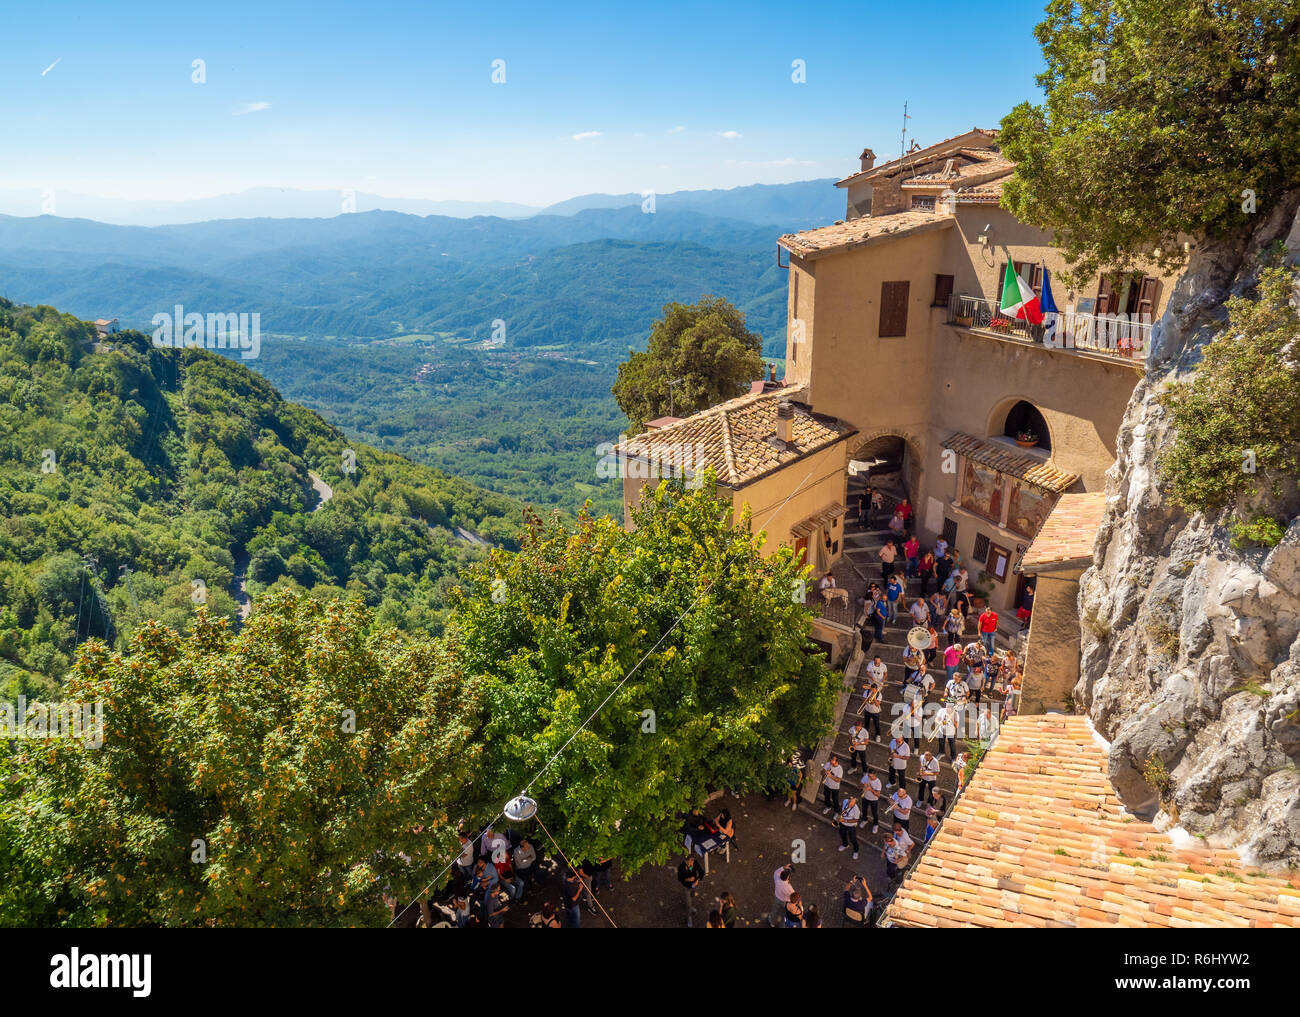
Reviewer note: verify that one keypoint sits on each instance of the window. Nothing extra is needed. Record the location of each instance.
(893, 309)
(1024, 418)
(998, 561)
(942, 290)
(923, 202)
(950, 532)
(981, 547)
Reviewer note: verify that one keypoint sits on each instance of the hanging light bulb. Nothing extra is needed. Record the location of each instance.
(520, 809)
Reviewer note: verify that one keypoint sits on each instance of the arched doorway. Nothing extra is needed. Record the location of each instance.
(888, 461)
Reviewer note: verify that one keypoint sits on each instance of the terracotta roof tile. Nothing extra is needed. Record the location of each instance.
(1069, 532)
(867, 230)
(999, 457)
(736, 438)
(1072, 858)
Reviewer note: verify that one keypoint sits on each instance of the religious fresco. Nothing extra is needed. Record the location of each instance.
(981, 492)
(1028, 509)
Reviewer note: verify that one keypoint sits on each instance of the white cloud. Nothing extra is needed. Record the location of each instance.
(729, 135)
(250, 107)
(584, 135)
(51, 67)
(770, 163)
(675, 130)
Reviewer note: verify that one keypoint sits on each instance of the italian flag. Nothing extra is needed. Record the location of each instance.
(1018, 299)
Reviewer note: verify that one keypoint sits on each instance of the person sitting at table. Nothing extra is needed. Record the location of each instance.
(726, 828)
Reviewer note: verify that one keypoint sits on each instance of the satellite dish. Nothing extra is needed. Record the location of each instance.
(918, 638)
(520, 809)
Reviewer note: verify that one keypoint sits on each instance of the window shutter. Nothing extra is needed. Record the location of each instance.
(893, 309)
(1148, 297)
(950, 532)
(980, 552)
(942, 290)
(1105, 295)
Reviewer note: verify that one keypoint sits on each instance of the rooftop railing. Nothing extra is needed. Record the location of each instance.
(1114, 335)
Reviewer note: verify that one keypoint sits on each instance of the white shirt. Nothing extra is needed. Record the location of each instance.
(945, 722)
(872, 698)
(958, 691)
(877, 672)
(902, 803)
(850, 814)
(898, 747)
(781, 887)
(870, 787)
(833, 775)
(858, 736)
(929, 768)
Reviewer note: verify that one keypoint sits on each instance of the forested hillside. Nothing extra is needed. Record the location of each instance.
(136, 483)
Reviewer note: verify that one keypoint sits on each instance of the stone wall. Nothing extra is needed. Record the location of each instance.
(1052, 650)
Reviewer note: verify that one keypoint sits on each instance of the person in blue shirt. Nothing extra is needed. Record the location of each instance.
(893, 591)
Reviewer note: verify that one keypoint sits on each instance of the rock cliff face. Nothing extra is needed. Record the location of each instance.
(1190, 656)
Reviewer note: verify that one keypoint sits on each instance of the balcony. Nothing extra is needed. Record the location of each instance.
(1113, 336)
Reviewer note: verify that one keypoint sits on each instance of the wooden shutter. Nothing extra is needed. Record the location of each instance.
(942, 290)
(893, 309)
(1105, 296)
(1148, 296)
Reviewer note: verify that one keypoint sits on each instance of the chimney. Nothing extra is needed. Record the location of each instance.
(771, 373)
(868, 158)
(785, 421)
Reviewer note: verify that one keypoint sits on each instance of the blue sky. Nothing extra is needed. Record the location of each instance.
(397, 99)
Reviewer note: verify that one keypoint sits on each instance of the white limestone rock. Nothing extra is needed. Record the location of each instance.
(1191, 648)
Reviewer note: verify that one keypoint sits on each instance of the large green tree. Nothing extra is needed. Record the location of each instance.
(698, 355)
(1161, 120)
(321, 762)
(658, 663)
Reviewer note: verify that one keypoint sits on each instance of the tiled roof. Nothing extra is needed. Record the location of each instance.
(737, 438)
(965, 175)
(1040, 839)
(1068, 533)
(862, 232)
(929, 152)
(999, 457)
(817, 520)
(988, 192)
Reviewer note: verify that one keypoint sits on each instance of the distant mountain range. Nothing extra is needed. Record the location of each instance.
(774, 202)
(589, 278)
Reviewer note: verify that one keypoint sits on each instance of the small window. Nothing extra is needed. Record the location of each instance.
(923, 202)
(893, 309)
(981, 551)
(942, 290)
(998, 560)
(950, 532)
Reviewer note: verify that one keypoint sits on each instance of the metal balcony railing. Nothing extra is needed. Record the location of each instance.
(1114, 335)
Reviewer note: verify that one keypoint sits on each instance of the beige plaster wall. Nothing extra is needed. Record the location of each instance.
(1052, 652)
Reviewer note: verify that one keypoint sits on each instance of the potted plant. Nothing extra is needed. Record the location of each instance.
(1000, 325)
(963, 318)
(1026, 439)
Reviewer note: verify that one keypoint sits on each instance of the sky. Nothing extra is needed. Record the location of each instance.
(398, 99)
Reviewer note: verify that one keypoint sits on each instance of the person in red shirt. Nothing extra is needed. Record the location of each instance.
(988, 626)
(912, 552)
(905, 510)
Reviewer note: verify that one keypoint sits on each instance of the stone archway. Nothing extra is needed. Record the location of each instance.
(901, 454)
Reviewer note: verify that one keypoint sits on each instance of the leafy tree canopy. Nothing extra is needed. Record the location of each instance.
(706, 345)
(317, 759)
(682, 645)
(1161, 121)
